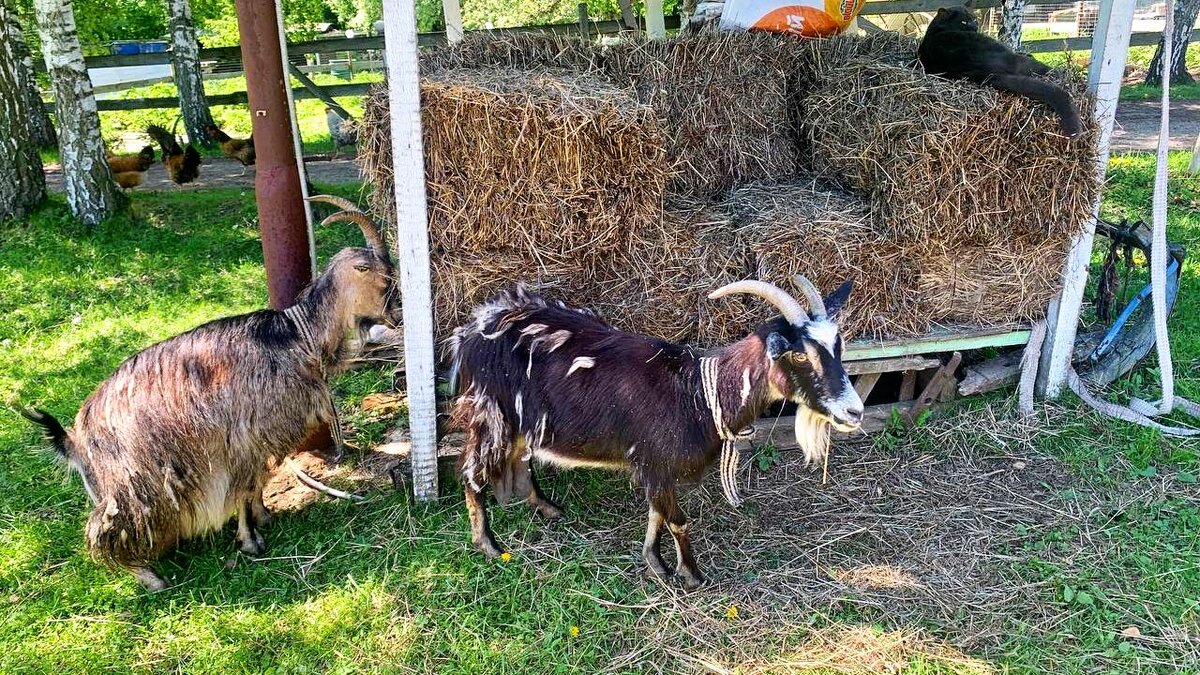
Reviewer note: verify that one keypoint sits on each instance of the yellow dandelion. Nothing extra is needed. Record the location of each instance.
(732, 612)
(505, 557)
(574, 631)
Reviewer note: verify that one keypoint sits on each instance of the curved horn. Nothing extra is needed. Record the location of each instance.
(816, 304)
(786, 304)
(350, 213)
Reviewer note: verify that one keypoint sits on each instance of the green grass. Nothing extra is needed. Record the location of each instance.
(235, 120)
(392, 585)
(1179, 92)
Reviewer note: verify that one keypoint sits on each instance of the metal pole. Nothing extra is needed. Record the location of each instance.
(412, 229)
(282, 221)
(282, 216)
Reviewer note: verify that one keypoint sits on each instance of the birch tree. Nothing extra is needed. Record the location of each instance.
(1185, 19)
(91, 192)
(185, 56)
(22, 184)
(40, 126)
(1012, 15)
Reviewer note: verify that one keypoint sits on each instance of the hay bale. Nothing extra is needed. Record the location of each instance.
(727, 103)
(811, 228)
(549, 161)
(995, 283)
(942, 159)
(520, 51)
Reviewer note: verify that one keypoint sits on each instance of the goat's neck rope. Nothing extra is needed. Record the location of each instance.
(709, 370)
(308, 339)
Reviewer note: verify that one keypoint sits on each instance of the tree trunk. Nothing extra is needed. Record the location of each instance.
(22, 183)
(1012, 15)
(627, 16)
(91, 192)
(40, 126)
(185, 57)
(1185, 18)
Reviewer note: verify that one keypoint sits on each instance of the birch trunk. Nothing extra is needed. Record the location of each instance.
(91, 192)
(40, 126)
(22, 184)
(185, 58)
(1012, 15)
(1185, 18)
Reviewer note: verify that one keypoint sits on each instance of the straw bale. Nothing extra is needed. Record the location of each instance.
(546, 160)
(727, 101)
(995, 283)
(519, 51)
(942, 159)
(811, 228)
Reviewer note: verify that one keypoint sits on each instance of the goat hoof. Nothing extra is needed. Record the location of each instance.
(549, 511)
(656, 568)
(263, 517)
(149, 580)
(489, 548)
(253, 545)
(691, 581)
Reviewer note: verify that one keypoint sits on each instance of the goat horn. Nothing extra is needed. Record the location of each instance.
(350, 213)
(786, 304)
(816, 304)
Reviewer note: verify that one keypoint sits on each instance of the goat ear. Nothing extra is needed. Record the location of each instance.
(941, 11)
(836, 299)
(777, 346)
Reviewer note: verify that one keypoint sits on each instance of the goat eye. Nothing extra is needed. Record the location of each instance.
(799, 358)
(362, 268)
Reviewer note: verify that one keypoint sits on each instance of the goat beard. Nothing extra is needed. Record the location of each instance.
(812, 434)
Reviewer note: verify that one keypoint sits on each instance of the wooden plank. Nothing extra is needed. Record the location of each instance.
(865, 384)
(318, 92)
(781, 431)
(412, 235)
(991, 375)
(1062, 319)
(890, 365)
(933, 389)
(908, 385)
(946, 340)
(656, 25)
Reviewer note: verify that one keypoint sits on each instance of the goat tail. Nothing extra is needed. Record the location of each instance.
(55, 433)
(1040, 90)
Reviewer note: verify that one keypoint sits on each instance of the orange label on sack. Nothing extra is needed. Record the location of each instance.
(808, 21)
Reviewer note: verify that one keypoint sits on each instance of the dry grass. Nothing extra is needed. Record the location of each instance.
(806, 227)
(540, 160)
(948, 160)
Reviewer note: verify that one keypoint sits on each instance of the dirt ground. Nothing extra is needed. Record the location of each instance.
(1137, 125)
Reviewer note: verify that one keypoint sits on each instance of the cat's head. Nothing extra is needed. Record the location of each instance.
(955, 18)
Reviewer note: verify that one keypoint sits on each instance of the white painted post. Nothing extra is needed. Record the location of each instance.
(412, 238)
(452, 12)
(1109, 49)
(656, 24)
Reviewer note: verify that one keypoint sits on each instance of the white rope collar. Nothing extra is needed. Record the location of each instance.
(730, 457)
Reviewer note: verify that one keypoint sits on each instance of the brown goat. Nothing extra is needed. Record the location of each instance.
(541, 381)
(179, 438)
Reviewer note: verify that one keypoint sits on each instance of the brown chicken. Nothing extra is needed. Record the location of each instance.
(183, 166)
(140, 162)
(241, 149)
(129, 179)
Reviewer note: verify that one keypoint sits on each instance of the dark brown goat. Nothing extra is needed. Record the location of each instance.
(178, 439)
(543, 381)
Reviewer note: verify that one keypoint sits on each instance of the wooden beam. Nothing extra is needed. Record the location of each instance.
(890, 365)
(316, 91)
(656, 25)
(780, 431)
(412, 236)
(946, 340)
(991, 374)
(865, 384)
(1062, 319)
(234, 98)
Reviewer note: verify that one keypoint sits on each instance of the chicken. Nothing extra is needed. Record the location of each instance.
(343, 132)
(129, 179)
(183, 166)
(241, 149)
(140, 162)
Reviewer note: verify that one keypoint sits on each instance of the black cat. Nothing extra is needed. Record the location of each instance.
(954, 48)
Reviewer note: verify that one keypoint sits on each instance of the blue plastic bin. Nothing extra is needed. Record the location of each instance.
(124, 48)
(156, 47)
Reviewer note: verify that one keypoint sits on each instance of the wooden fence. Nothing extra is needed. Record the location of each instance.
(230, 57)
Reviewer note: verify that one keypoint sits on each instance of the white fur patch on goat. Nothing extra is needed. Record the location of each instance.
(579, 363)
(824, 332)
(812, 434)
(745, 384)
(557, 339)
